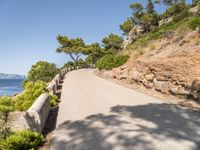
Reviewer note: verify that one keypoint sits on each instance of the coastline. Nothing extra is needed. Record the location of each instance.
(11, 87)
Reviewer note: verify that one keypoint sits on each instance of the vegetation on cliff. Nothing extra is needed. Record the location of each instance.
(111, 61)
(164, 51)
(145, 24)
(145, 28)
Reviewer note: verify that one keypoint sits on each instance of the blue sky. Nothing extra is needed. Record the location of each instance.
(28, 28)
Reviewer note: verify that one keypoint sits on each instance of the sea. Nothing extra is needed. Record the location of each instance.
(10, 87)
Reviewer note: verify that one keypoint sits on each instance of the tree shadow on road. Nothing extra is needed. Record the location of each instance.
(126, 127)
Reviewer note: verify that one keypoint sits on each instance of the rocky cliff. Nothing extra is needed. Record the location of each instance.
(172, 67)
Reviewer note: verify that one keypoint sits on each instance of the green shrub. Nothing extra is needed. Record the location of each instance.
(43, 71)
(69, 64)
(80, 63)
(110, 61)
(181, 16)
(6, 106)
(32, 91)
(22, 140)
(175, 9)
(194, 22)
(54, 100)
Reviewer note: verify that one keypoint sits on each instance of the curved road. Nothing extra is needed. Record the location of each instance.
(96, 114)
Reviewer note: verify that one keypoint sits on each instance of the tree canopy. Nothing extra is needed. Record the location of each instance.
(112, 43)
(43, 71)
(126, 26)
(94, 52)
(74, 47)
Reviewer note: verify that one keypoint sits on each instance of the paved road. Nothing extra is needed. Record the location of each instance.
(96, 114)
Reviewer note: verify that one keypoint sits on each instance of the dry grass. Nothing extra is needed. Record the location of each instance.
(182, 30)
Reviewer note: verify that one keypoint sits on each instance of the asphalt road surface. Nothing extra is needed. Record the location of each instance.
(96, 114)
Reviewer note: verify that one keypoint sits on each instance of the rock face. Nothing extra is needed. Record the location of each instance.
(171, 68)
(137, 30)
(165, 21)
(133, 34)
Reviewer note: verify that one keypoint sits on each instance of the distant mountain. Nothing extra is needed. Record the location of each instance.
(11, 76)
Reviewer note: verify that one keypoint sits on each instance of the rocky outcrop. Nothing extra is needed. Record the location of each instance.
(195, 90)
(137, 30)
(178, 75)
(133, 34)
(165, 21)
(172, 68)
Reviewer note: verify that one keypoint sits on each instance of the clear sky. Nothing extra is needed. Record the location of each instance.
(28, 28)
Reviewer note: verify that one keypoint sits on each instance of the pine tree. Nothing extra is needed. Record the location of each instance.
(150, 7)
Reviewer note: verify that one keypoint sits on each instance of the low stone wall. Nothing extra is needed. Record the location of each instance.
(35, 117)
(53, 85)
(37, 114)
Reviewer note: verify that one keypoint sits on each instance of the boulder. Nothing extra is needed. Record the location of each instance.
(174, 89)
(149, 77)
(183, 91)
(195, 90)
(148, 84)
(137, 76)
(161, 86)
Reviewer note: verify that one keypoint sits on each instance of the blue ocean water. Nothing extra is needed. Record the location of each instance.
(9, 87)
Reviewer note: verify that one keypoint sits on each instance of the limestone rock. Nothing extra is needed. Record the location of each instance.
(183, 91)
(149, 77)
(161, 86)
(165, 21)
(174, 89)
(137, 76)
(123, 67)
(196, 88)
(148, 84)
(133, 34)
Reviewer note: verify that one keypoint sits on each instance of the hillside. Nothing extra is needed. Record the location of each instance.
(166, 60)
(11, 76)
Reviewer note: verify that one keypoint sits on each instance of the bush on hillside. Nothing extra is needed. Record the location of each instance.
(43, 71)
(111, 61)
(194, 22)
(79, 63)
(69, 64)
(6, 106)
(175, 9)
(32, 91)
(22, 140)
(181, 16)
